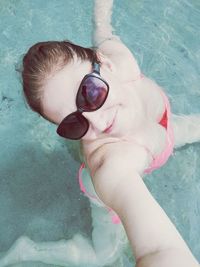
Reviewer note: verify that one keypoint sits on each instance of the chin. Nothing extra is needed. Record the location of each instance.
(118, 133)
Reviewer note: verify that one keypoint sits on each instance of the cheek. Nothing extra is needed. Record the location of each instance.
(125, 117)
(130, 120)
(122, 123)
(120, 95)
(115, 92)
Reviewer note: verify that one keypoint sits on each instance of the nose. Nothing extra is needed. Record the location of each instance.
(96, 119)
(100, 118)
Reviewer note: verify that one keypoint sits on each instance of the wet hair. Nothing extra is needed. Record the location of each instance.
(43, 60)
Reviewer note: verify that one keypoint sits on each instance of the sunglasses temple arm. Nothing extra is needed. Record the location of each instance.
(96, 67)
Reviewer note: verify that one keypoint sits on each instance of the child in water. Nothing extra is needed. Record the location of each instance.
(123, 119)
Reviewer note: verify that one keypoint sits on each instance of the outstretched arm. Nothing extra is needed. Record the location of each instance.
(103, 36)
(102, 22)
(110, 44)
(154, 239)
(186, 129)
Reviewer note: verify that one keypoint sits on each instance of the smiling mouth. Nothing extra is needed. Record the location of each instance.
(109, 129)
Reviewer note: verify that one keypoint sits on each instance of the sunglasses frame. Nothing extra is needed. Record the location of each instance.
(95, 73)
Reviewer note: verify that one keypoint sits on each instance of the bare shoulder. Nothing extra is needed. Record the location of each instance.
(117, 153)
(113, 165)
(114, 46)
(122, 57)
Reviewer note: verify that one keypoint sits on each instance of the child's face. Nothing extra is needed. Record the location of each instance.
(60, 95)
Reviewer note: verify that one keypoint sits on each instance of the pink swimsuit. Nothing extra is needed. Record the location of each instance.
(157, 162)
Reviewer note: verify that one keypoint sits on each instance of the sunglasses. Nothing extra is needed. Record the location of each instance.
(91, 95)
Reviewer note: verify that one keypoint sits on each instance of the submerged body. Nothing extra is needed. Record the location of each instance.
(126, 135)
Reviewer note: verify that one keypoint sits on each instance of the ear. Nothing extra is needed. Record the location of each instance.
(106, 62)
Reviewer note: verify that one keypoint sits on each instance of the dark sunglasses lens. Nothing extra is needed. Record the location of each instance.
(92, 94)
(73, 126)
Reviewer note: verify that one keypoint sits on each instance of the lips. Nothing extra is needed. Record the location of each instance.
(109, 129)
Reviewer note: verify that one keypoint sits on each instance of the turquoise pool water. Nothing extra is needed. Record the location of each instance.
(39, 193)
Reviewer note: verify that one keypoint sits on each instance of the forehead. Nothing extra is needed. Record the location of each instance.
(59, 92)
